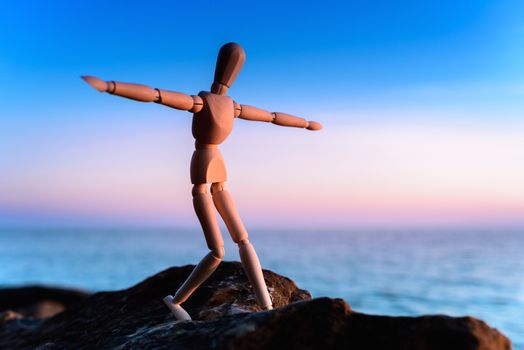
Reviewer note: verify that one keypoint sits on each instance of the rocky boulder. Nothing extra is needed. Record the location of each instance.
(227, 317)
(37, 301)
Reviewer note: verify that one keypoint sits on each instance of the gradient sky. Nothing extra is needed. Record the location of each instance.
(422, 104)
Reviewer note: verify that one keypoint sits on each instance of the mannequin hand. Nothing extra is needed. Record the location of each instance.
(313, 125)
(95, 82)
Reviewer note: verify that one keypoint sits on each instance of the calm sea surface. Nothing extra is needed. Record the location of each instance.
(479, 273)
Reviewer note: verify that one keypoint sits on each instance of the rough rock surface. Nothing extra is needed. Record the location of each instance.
(226, 317)
(37, 301)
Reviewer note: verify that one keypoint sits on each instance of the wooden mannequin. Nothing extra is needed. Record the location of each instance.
(213, 118)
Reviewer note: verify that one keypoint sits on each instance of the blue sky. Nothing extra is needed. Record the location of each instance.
(403, 69)
(354, 51)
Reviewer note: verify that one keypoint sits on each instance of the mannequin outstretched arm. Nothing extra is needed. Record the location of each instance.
(282, 119)
(144, 93)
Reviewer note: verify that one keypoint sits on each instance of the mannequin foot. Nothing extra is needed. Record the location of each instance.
(176, 309)
(270, 306)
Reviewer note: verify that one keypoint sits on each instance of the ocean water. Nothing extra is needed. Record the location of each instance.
(402, 272)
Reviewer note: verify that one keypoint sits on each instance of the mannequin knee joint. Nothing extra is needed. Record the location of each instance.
(244, 241)
(218, 253)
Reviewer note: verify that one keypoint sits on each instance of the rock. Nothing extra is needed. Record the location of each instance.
(8, 316)
(227, 317)
(39, 301)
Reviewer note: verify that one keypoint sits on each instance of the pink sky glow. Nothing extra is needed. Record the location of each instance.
(362, 174)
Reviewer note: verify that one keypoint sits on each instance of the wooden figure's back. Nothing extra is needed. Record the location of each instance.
(213, 124)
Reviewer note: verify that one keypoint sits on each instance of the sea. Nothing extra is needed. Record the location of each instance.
(477, 272)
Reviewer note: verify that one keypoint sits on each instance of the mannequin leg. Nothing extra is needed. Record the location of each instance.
(226, 207)
(205, 212)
